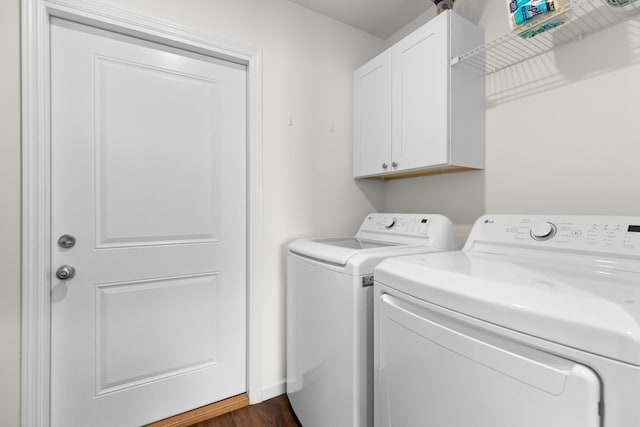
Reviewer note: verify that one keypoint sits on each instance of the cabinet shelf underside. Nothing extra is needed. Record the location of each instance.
(424, 172)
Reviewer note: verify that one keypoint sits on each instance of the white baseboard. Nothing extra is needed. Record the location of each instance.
(275, 389)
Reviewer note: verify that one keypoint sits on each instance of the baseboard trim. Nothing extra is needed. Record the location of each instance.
(274, 390)
(204, 413)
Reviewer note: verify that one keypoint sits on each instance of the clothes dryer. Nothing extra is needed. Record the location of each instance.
(535, 322)
(330, 313)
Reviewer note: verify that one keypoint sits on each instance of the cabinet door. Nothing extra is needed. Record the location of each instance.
(372, 116)
(421, 102)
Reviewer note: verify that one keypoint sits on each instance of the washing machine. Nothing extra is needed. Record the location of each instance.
(535, 322)
(330, 313)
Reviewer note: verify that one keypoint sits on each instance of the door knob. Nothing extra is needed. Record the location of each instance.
(65, 272)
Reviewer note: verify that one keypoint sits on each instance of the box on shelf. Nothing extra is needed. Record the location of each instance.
(532, 17)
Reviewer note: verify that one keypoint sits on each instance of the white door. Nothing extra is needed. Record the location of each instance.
(148, 176)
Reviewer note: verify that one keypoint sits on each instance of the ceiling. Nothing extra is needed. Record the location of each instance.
(383, 18)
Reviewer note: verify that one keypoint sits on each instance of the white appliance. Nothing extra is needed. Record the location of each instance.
(535, 322)
(330, 314)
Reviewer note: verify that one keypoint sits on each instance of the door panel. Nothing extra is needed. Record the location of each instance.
(129, 209)
(131, 351)
(148, 174)
(432, 367)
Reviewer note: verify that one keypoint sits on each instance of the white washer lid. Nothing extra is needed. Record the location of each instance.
(592, 307)
(336, 250)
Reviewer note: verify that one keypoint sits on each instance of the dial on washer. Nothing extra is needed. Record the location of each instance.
(388, 222)
(543, 230)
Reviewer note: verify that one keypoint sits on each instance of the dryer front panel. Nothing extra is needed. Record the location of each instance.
(437, 370)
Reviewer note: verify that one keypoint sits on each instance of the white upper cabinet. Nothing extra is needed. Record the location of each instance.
(416, 114)
(372, 105)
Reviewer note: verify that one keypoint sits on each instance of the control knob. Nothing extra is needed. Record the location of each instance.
(543, 230)
(388, 222)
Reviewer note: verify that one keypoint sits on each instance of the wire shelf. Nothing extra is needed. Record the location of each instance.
(582, 17)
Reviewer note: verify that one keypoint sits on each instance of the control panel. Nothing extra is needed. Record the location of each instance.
(414, 224)
(405, 224)
(602, 233)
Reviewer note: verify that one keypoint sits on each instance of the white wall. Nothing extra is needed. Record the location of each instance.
(562, 137)
(562, 134)
(308, 190)
(10, 213)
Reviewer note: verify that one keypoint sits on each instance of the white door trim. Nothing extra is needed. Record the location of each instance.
(36, 257)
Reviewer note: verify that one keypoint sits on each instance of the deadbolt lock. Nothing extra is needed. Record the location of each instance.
(66, 241)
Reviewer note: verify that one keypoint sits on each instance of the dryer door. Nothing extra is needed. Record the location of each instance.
(436, 369)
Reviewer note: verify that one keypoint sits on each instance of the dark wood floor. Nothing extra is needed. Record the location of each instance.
(274, 412)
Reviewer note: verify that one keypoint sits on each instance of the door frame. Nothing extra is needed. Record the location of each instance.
(36, 185)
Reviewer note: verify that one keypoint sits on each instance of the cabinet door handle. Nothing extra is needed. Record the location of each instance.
(394, 164)
(384, 166)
